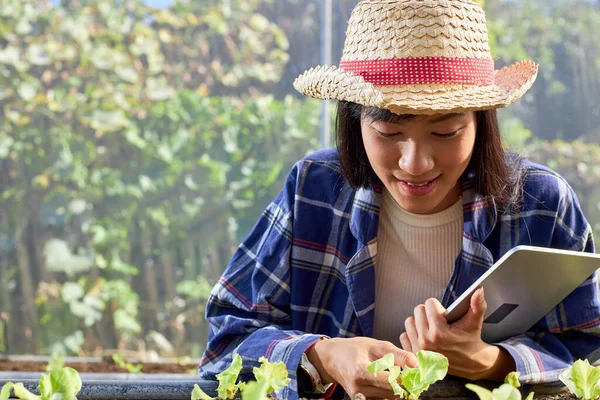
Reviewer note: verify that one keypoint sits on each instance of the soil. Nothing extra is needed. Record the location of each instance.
(106, 365)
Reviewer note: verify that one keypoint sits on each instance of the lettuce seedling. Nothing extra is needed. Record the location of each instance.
(408, 382)
(198, 394)
(61, 384)
(57, 361)
(228, 378)
(507, 391)
(386, 363)
(582, 379)
(513, 379)
(270, 377)
(227, 382)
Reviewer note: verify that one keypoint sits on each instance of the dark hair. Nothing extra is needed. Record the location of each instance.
(497, 172)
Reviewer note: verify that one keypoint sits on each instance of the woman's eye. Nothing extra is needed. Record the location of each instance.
(447, 135)
(386, 135)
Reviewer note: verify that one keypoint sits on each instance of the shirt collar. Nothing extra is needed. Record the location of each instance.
(364, 216)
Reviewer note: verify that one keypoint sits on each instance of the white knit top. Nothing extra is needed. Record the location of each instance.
(415, 259)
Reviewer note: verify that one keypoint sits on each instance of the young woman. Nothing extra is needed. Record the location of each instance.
(368, 243)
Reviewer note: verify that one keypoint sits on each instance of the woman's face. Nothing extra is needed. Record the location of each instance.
(421, 160)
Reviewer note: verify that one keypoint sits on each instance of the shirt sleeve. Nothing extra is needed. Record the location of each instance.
(248, 310)
(571, 330)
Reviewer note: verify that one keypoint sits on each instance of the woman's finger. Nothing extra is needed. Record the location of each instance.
(402, 358)
(411, 331)
(435, 313)
(405, 342)
(421, 322)
(473, 319)
(478, 303)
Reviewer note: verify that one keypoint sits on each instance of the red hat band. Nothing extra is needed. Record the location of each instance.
(424, 71)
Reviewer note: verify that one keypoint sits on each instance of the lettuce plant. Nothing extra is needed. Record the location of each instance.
(227, 382)
(270, 377)
(57, 361)
(582, 379)
(410, 383)
(513, 379)
(507, 391)
(63, 384)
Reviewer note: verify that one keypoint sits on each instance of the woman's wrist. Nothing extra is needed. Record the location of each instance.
(499, 364)
(316, 358)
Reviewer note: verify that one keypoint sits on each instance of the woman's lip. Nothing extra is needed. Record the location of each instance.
(418, 188)
(418, 183)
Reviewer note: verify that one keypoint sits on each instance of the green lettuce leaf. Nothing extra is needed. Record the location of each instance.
(270, 377)
(227, 379)
(274, 374)
(513, 379)
(255, 390)
(506, 392)
(22, 393)
(394, 380)
(45, 387)
(432, 368)
(582, 379)
(411, 381)
(198, 394)
(5, 392)
(382, 364)
(481, 392)
(64, 381)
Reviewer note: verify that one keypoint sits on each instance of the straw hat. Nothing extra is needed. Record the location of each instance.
(418, 57)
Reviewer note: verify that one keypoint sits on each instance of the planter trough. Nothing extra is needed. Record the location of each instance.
(174, 386)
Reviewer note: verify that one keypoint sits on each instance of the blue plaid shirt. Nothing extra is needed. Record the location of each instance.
(307, 269)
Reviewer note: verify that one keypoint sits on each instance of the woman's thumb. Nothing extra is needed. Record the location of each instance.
(478, 303)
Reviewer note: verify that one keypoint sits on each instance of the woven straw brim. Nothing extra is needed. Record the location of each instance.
(333, 83)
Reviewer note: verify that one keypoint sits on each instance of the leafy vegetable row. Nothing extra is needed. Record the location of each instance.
(582, 380)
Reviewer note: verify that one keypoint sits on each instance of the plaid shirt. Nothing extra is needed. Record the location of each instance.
(307, 269)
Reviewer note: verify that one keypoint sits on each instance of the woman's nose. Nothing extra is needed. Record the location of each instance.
(415, 159)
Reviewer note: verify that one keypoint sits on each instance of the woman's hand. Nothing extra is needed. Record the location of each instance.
(469, 356)
(344, 361)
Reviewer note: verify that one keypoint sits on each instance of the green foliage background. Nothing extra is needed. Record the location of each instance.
(138, 146)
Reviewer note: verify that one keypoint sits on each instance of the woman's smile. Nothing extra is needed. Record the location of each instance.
(420, 159)
(418, 188)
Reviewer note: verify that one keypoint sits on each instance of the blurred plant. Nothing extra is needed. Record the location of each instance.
(130, 367)
(56, 362)
(514, 134)
(113, 167)
(563, 102)
(579, 163)
(3, 333)
(185, 361)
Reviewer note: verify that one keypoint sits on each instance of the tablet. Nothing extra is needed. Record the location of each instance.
(523, 286)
